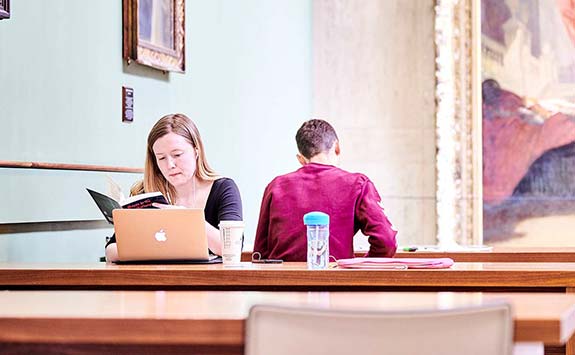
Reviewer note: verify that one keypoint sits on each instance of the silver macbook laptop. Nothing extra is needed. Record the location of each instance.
(161, 235)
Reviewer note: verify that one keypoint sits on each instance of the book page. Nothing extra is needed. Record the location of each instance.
(115, 190)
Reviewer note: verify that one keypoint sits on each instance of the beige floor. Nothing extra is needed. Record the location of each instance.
(543, 231)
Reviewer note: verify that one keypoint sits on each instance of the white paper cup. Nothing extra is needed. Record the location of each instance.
(231, 233)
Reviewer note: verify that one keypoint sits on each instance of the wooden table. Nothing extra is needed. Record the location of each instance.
(498, 254)
(556, 277)
(213, 322)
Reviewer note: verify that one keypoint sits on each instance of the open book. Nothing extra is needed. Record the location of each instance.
(106, 203)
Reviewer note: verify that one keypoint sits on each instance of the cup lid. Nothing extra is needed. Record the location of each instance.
(231, 223)
(316, 218)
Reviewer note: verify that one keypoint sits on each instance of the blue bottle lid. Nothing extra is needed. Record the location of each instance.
(316, 219)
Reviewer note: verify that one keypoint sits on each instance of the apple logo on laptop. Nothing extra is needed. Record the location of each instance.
(161, 236)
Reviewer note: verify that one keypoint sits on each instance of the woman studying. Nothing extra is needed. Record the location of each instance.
(176, 165)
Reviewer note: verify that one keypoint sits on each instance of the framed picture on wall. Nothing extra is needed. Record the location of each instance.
(154, 33)
(528, 120)
(4, 9)
(506, 122)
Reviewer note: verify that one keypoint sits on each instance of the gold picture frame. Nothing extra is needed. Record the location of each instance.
(154, 33)
(4, 9)
(464, 56)
(458, 122)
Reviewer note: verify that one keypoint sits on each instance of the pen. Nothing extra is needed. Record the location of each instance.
(410, 249)
(267, 261)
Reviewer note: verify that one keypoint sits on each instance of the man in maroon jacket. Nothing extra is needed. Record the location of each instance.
(350, 199)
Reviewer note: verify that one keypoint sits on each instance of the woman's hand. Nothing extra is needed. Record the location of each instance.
(214, 241)
(112, 253)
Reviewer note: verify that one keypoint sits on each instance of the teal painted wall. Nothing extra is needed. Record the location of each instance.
(247, 86)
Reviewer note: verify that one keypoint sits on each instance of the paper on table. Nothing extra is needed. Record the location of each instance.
(455, 248)
(386, 263)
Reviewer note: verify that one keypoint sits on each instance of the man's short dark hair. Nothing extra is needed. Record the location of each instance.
(314, 137)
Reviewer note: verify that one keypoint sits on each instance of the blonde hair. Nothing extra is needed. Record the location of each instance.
(181, 125)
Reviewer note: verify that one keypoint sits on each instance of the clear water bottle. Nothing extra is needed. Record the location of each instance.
(317, 240)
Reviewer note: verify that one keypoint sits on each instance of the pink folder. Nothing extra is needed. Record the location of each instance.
(395, 263)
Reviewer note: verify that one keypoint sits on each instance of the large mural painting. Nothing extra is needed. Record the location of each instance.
(528, 105)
